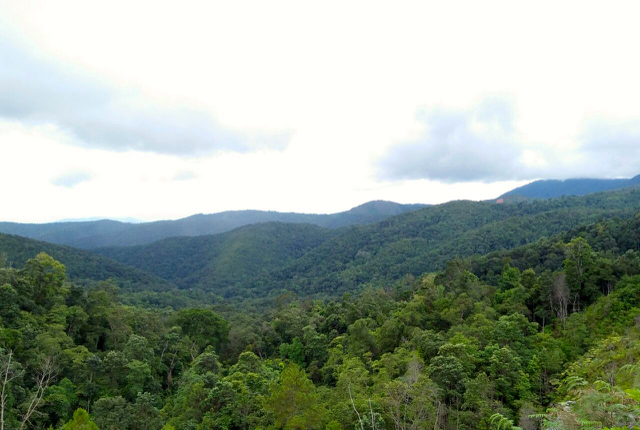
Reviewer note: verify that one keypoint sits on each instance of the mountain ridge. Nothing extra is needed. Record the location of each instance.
(107, 233)
(382, 253)
(552, 188)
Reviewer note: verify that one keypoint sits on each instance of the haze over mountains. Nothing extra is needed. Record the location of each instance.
(258, 260)
(550, 188)
(265, 258)
(103, 233)
(99, 233)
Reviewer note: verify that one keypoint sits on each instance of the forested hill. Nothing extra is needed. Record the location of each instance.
(105, 233)
(215, 262)
(81, 266)
(376, 254)
(546, 189)
(422, 241)
(542, 337)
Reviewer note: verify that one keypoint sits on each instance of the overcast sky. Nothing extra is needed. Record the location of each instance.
(158, 110)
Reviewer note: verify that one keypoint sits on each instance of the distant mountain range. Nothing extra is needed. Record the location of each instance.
(106, 233)
(551, 188)
(130, 220)
(268, 258)
(93, 234)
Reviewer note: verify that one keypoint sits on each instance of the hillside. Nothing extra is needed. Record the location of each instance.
(376, 254)
(423, 241)
(547, 189)
(106, 233)
(82, 266)
(610, 237)
(468, 348)
(218, 261)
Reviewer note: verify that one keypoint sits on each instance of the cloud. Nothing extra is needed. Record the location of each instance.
(611, 146)
(71, 179)
(457, 146)
(185, 175)
(97, 114)
(482, 144)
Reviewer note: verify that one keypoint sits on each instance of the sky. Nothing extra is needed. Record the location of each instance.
(159, 110)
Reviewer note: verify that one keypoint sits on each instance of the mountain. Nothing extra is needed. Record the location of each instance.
(82, 266)
(376, 254)
(106, 233)
(129, 220)
(546, 189)
(547, 334)
(212, 262)
(423, 241)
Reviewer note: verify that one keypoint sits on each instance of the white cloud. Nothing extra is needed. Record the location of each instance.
(302, 100)
(96, 114)
(459, 146)
(71, 179)
(483, 144)
(185, 175)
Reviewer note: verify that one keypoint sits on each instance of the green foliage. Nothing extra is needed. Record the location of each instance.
(82, 266)
(502, 423)
(294, 401)
(204, 327)
(424, 240)
(259, 260)
(483, 344)
(80, 421)
(222, 260)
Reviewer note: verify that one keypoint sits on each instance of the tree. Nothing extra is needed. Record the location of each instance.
(577, 267)
(479, 403)
(59, 401)
(9, 309)
(139, 378)
(204, 327)
(410, 400)
(510, 278)
(361, 341)
(294, 402)
(514, 331)
(560, 296)
(506, 373)
(80, 421)
(45, 375)
(112, 413)
(315, 345)
(45, 277)
(293, 351)
(9, 371)
(76, 319)
(145, 416)
(449, 373)
(389, 334)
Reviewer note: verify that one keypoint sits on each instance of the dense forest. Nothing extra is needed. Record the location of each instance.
(297, 215)
(347, 260)
(544, 335)
(82, 266)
